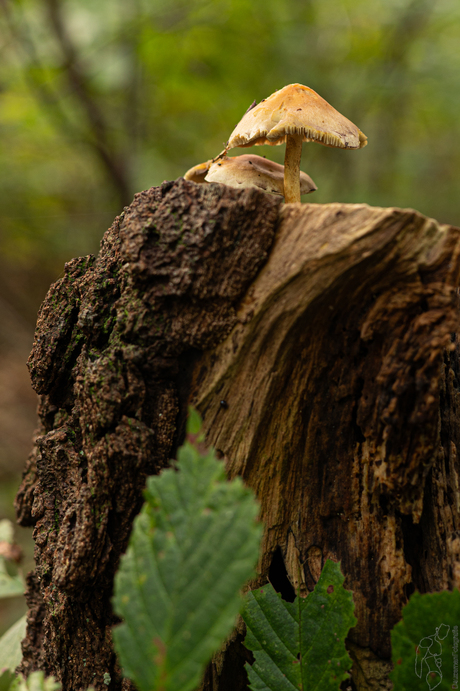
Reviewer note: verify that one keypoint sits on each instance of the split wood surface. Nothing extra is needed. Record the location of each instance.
(318, 342)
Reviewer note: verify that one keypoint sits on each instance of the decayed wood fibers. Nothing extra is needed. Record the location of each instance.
(341, 390)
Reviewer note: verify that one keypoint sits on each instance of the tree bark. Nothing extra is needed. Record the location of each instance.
(317, 343)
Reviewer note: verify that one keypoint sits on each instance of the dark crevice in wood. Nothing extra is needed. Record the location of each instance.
(278, 577)
(414, 549)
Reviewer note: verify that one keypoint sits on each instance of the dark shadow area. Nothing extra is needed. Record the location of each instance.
(279, 578)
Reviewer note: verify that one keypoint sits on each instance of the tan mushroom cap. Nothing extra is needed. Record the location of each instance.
(250, 170)
(296, 110)
(198, 173)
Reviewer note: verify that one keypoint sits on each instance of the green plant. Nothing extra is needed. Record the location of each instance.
(10, 646)
(11, 580)
(425, 643)
(35, 682)
(301, 644)
(11, 585)
(193, 546)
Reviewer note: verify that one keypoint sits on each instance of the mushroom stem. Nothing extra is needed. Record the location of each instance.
(292, 168)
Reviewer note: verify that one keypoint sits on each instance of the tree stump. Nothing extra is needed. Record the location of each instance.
(317, 341)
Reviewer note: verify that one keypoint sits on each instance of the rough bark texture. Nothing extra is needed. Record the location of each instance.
(114, 345)
(315, 340)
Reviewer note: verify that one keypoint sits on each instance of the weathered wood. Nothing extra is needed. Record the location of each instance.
(316, 342)
(341, 408)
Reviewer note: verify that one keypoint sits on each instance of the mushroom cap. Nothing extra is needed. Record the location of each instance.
(254, 171)
(198, 173)
(296, 109)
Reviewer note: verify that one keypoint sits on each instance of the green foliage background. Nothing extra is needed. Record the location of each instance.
(169, 79)
(99, 100)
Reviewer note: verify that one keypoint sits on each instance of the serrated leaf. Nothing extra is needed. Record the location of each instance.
(300, 645)
(425, 643)
(10, 645)
(193, 546)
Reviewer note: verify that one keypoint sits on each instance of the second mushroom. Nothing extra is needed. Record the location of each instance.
(247, 171)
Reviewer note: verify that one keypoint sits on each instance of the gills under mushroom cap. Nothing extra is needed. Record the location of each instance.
(198, 173)
(296, 110)
(250, 170)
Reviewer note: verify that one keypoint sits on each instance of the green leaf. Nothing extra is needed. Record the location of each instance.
(194, 424)
(6, 680)
(194, 545)
(300, 645)
(6, 531)
(35, 682)
(425, 643)
(11, 585)
(10, 645)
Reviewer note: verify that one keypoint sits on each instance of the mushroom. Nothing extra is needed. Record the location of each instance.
(293, 115)
(198, 173)
(254, 171)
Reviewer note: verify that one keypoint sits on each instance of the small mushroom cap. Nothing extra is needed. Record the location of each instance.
(296, 109)
(198, 173)
(254, 171)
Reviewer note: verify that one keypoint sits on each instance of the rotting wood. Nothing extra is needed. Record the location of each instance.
(340, 380)
(327, 332)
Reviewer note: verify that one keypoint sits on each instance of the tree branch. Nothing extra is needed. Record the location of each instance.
(114, 164)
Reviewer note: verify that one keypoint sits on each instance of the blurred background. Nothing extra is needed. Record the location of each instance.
(99, 100)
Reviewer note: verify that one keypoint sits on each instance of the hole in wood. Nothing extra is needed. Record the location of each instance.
(278, 577)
